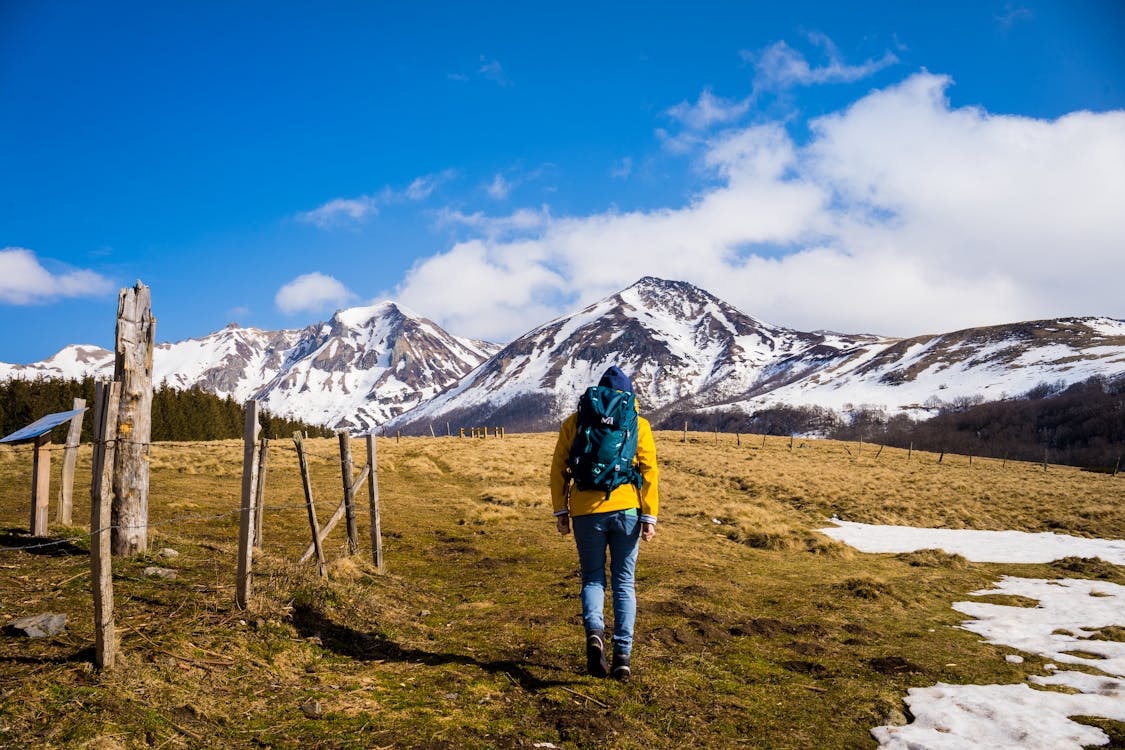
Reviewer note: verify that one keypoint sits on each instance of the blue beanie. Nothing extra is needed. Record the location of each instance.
(614, 378)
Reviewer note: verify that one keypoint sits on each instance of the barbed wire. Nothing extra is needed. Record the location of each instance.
(358, 508)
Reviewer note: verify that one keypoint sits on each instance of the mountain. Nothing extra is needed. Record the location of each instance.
(367, 365)
(356, 371)
(689, 352)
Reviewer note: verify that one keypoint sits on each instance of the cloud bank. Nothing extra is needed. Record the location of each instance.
(899, 215)
(312, 292)
(24, 280)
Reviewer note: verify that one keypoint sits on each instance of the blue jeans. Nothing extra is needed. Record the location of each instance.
(620, 531)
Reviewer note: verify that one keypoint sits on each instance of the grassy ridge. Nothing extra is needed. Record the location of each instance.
(753, 630)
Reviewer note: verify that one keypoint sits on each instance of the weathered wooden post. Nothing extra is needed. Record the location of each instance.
(373, 502)
(910, 450)
(299, 442)
(346, 468)
(106, 398)
(248, 515)
(40, 484)
(685, 432)
(260, 495)
(133, 369)
(1044, 460)
(70, 458)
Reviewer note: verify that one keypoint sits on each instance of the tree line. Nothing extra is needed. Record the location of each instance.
(177, 415)
(1080, 425)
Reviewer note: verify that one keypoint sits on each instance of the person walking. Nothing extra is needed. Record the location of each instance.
(604, 485)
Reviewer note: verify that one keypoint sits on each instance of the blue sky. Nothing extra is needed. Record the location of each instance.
(898, 168)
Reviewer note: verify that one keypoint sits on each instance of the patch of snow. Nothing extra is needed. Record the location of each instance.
(1062, 627)
(977, 545)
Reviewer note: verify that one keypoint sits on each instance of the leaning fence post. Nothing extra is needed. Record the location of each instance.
(248, 514)
(373, 502)
(106, 399)
(298, 440)
(40, 484)
(70, 458)
(260, 495)
(346, 467)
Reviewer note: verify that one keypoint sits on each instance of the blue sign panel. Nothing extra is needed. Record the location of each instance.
(41, 426)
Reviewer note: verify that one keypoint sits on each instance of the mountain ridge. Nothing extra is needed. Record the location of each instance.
(386, 366)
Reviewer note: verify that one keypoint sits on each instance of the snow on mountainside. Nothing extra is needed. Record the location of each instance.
(679, 344)
(688, 351)
(991, 363)
(367, 365)
(357, 370)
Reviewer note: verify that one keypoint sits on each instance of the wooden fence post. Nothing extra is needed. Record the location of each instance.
(70, 458)
(910, 450)
(1117, 466)
(133, 369)
(346, 468)
(106, 399)
(40, 484)
(1044, 460)
(373, 502)
(298, 440)
(260, 495)
(248, 513)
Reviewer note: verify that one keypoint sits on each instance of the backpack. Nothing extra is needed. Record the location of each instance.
(605, 443)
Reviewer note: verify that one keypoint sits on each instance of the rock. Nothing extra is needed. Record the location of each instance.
(313, 709)
(895, 718)
(38, 626)
(1013, 659)
(168, 553)
(166, 573)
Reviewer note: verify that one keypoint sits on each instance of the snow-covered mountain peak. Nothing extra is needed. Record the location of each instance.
(366, 315)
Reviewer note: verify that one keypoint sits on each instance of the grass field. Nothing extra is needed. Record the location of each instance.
(753, 630)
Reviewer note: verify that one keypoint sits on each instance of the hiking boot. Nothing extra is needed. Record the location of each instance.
(621, 671)
(596, 665)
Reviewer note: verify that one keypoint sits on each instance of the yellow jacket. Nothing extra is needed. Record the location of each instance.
(566, 498)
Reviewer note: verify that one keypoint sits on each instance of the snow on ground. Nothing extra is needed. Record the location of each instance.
(975, 545)
(1063, 627)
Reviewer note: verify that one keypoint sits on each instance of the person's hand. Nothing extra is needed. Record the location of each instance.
(648, 531)
(562, 523)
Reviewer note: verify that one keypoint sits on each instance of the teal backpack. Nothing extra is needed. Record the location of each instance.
(601, 456)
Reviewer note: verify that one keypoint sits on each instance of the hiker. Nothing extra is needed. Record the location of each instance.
(604, 483)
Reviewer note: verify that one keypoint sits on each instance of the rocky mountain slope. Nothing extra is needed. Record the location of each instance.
(686, 350)
(357, 370)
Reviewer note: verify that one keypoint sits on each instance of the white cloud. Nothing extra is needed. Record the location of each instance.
(622, 169)
(494, 71)
(499, 188)
(522, 221)
(340, 212)
(345, 212)
(311, 292)
(901, 216)
(708, 110)
(779, 66)
(24, 280)
(424, 186)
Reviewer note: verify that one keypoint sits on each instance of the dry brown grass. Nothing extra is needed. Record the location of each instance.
(753, 629)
